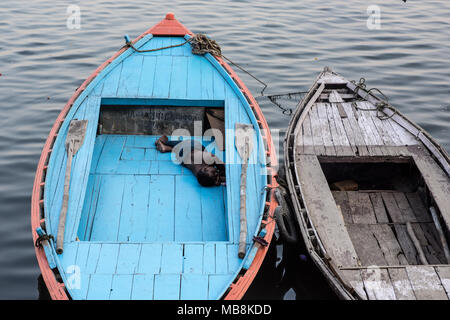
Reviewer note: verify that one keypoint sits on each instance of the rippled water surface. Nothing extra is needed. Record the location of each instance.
(284, 43)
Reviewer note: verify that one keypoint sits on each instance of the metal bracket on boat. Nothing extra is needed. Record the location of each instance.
(259, 242)
(43, 242)
(42, 238)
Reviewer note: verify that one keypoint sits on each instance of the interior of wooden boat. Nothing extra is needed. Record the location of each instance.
(377, 200)
(136, 193)
(373, 193)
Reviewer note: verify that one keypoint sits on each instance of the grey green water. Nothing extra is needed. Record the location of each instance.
(43, 59)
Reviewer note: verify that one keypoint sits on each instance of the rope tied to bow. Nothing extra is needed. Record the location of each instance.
(379, 106)
(201, 45)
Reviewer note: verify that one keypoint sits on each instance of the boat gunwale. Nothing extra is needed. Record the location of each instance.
(318, 253)
(241, 283)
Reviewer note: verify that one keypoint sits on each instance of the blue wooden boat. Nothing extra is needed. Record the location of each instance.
(138, 225)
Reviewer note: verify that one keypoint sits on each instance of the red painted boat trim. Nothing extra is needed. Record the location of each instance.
(167, 27)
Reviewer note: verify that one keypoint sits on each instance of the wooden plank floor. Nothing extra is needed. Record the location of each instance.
(376, 222)
(340, 129)
(136, 194)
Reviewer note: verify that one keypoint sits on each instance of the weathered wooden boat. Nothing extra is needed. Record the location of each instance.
(371, 192)
(137, 225)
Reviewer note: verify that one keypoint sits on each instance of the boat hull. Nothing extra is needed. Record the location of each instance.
(370, 189)
(92, 95)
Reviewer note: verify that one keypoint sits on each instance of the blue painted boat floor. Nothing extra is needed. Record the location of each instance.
(137, 194)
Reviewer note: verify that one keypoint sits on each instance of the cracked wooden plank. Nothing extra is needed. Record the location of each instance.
(378, 284)
(400, 230)
(366, 245)
(400, 282)
(361, 207)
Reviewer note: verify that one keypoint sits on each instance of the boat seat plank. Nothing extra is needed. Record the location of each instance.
(167, 287)
(80, 172)
(424, 232)
(128, 259)
(193, 259)
(194, 287)
(107, 260)
(143, 286)
(121, 287)
(150, 258)
(426, 283)
(324, 213)
(172, 258)
(99, 286)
